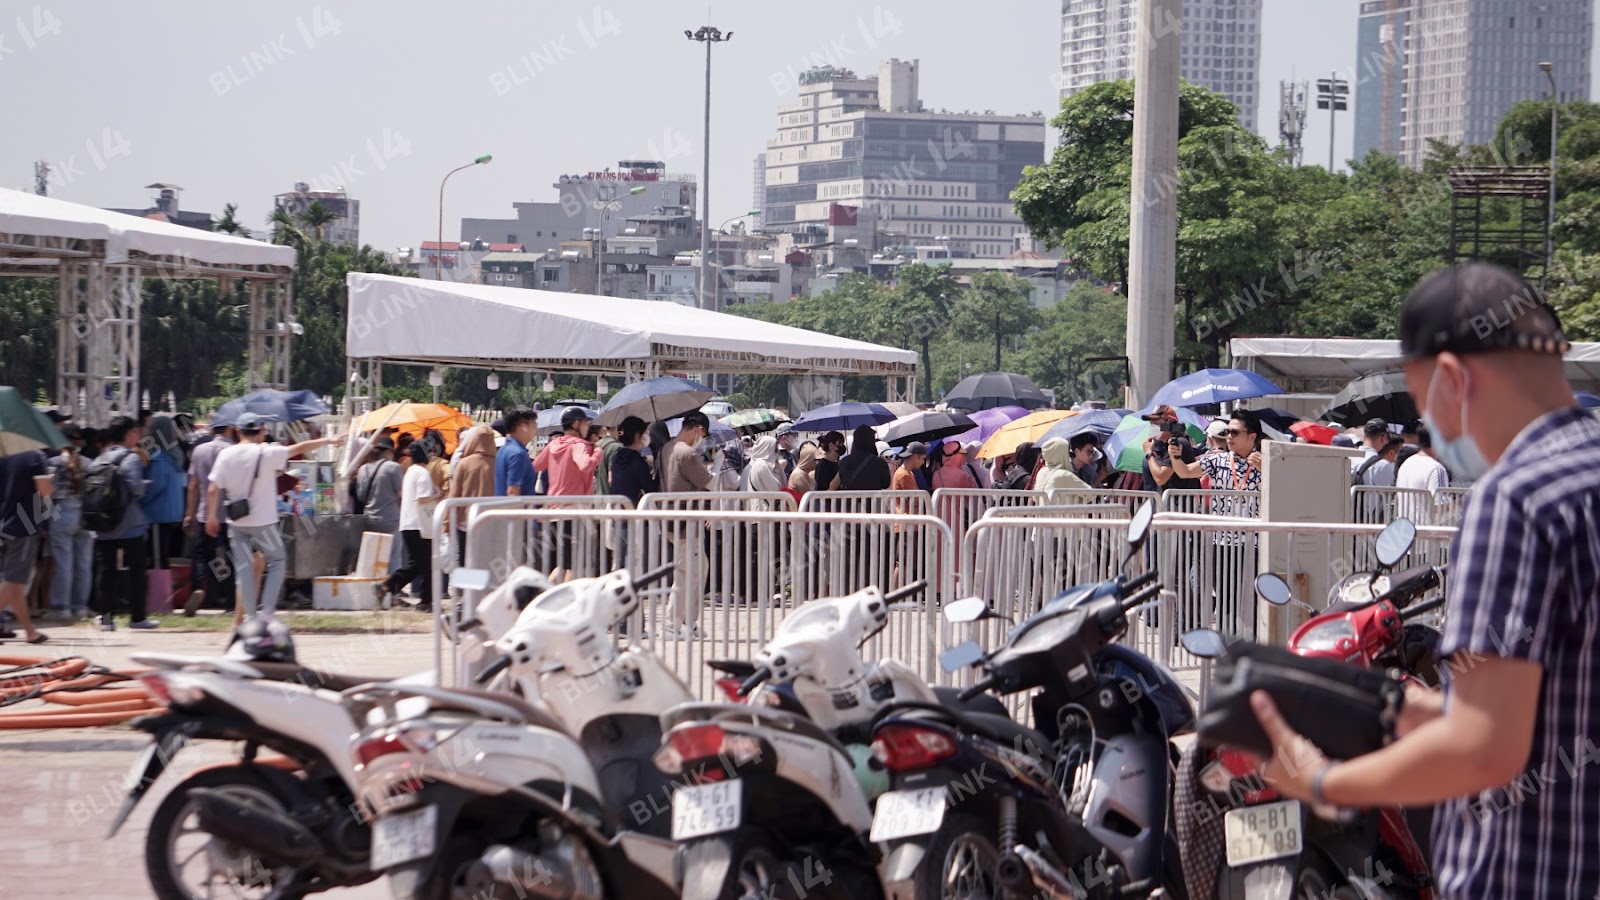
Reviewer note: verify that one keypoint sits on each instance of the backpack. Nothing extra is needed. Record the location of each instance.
(105, 493)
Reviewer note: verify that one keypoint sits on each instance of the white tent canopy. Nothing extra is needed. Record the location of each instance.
(406, 320)
(1325, 365)
(24, 216)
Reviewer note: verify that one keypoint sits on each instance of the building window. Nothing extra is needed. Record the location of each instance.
(511, 239)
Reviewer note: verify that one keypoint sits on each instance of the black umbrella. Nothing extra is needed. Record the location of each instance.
(1379, 396)
(925, 426)
(991, 389)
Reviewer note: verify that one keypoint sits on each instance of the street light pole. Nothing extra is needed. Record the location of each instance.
(1333, 95)
(1550, 220)
(605, 206)
(708, 35)
(438, 254)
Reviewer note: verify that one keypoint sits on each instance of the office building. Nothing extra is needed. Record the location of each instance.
(543, 225)
(1380, 76)
(345, 228)
(1221, 47)
(1469, 61)
(871, 144)
(758, 192)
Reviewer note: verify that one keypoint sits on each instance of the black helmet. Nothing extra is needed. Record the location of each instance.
(263, 639)
(573, 414)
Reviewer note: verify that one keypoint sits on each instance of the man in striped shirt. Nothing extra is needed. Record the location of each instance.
(1509, 752)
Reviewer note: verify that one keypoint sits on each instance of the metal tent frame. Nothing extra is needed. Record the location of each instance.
(99, 298)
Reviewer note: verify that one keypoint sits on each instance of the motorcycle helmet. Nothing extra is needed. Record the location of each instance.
(262, 639)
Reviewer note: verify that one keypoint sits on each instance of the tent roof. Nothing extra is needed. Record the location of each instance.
(31, 225)
(430, 322)
(1325, 365)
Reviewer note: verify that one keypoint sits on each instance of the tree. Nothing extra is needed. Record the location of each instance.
(229, 223)
(920, 306)
(1090, 321)
(997, 305)
(317, 217)
(286, 230)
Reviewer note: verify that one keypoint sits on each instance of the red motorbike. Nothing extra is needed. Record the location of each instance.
(1248, 843)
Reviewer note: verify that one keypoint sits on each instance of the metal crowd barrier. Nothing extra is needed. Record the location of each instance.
(722, 501)
(960, 507)
(737, 574)
(867, 503)
(1131, 500)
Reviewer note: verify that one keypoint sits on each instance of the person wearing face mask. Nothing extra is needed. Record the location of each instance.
(1504, 750)
(952, 471)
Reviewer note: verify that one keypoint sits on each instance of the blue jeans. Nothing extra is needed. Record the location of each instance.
(72, 551)
(267, 540)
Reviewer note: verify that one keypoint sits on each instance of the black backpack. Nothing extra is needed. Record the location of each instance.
(105, 493)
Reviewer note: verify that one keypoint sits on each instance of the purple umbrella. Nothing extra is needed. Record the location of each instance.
(989, 421)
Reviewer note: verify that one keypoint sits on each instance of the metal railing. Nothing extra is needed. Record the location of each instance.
(722, 501)
(1379, 505)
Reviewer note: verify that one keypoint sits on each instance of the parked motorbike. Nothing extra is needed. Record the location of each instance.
(786, 782)
(1273, 848)
(279, 825)
(544, 789)
(1078, 806)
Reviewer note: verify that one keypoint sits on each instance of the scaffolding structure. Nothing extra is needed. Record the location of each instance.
(1498, 214)
(101, 263)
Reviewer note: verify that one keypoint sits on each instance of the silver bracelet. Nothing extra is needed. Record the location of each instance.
(1317, 797)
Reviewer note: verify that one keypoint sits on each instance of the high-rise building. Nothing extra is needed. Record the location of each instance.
(345, 228)
(1380, 76)
(857, 142)
(1221, 47)
(1469, 61)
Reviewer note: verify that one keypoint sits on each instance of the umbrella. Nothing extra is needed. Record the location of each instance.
(991, 389)
(988, 421)
(1588, 400)
(755, 421)
(655, 400)
(1312, 433)
(1185, 415)
(1030, 427)
(1126, 444)
(1379, 396)
(901, 409)
(843, 417)
(719, 433)
(925, 426)
(1213, 386)
(549, 421)
(274, 406)
(1281, 419)
(23, 428)
(416, 419)
(1100, 421)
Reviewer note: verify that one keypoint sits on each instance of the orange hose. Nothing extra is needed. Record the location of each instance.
(91, 698)
(60, 682)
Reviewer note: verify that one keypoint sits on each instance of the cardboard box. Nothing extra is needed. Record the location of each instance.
(343, 592)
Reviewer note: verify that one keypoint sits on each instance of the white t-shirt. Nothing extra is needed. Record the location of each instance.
(414, 514)
(233, 472)
(1420, 473)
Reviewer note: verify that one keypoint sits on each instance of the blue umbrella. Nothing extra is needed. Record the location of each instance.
(843, 417)
(655, 400)
(1213, 386)
(1100, 421)
(719, 434)
(274, 406)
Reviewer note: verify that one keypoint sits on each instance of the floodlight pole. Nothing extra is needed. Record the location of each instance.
(708, 35)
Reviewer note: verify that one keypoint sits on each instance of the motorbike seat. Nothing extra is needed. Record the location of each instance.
(1003, 729)
(983, 703)
(531, 715)
(290, 672)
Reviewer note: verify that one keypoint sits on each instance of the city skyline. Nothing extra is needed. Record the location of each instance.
(237, 104)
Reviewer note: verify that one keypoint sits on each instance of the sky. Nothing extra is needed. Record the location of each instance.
(236, 102)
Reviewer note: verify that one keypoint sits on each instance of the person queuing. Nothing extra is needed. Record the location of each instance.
(832, 447)
(212, 576)
(952, 471)
(25, 485)
(1159, 472)
(122, 550)
(609, 446)
(1422, 471)
(513, 467)
(862, 469)
(804, 477)
(1059, 473)
(473, 479)
(1504, 748)
(164, 500)
(683, 471)
(1019, 474)
(418, 496)
(763, 473)
(788, 459)
(244, 489)
(71, 544)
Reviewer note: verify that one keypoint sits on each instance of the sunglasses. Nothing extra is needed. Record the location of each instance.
(1234, 432)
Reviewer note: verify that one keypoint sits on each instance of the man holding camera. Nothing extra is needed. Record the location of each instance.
(1169, 438)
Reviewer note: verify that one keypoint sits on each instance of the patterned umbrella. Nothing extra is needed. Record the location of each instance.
(754, 421)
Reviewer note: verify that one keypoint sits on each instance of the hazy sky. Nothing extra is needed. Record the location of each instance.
(237, 101)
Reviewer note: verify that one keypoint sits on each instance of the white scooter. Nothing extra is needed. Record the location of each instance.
(545, 791)
(787, 803)
(280, 825)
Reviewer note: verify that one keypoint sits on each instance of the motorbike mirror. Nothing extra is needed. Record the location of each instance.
(967, 609)
(960, 656)
(1273, 589)
(470, 579)
(1204, 643)
(1395, 541)
(1139, 525)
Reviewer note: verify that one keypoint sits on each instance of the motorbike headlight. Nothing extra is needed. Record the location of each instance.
(1327, 635)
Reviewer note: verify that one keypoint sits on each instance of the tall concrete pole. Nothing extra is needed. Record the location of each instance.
(1153, 226)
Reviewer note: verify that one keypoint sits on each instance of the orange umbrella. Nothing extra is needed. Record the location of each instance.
(1030, 427)
(415, 419)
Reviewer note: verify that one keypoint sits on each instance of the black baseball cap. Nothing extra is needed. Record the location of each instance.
(1477, 308)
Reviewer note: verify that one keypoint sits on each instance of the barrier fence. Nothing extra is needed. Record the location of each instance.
(740, 569)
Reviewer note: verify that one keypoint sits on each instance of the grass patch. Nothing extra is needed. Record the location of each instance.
(305, 621)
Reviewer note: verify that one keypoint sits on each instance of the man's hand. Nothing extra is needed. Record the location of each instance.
(1149, 445)
(1254, 459)
(1295, 760)
(213, 528)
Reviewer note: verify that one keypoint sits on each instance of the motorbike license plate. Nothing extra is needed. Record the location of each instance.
(401, 837)
(707, 809)
(1262, 832)
(903, 814)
